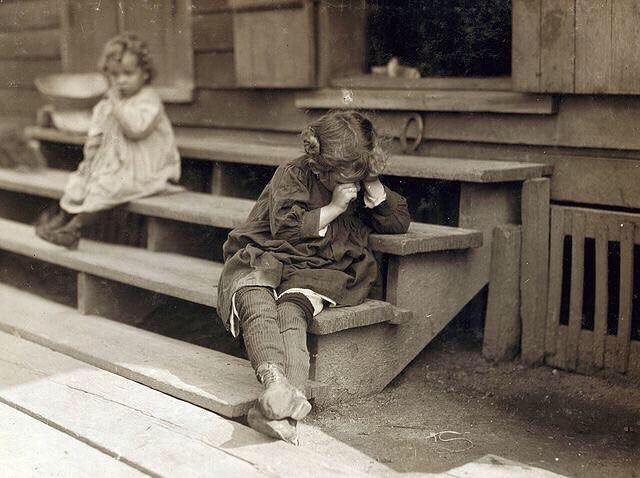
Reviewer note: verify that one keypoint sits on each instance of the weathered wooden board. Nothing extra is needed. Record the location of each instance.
(20, 74)
(210, 6)
(602, 291)
(557, 46)
(534, 267)
(625, 57)
(215, 70)
(32, 44)
(31, 448)
(525, 49)
(201, 144)
(341, 39)
(274, 48)
(627, 241)
(170, 274)
(421, 100)
(20, 101)
(158, 434)
(32, 15)
(593, 30)
(502, 327)
(577, 290)
(85, 28)
(376, 82)
(213, 32)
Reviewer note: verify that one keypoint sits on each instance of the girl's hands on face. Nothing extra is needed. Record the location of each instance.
(113, 94)
(343, 194)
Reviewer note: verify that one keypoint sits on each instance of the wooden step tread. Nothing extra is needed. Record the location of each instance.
(184, 277)
(228, 212)
(201, 143)
(462, 101)
(151, 431)
(213, 380)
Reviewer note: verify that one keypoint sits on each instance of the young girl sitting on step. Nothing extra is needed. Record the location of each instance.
(303, 247)
(130, 150)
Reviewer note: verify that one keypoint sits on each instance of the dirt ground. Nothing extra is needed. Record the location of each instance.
(571, 424)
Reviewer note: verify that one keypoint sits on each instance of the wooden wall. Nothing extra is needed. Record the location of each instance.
(29, 46)
(576, 46)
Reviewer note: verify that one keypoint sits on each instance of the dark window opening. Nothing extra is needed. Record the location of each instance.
(566, 280)
(441, 37)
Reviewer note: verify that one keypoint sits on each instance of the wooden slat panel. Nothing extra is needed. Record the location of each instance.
(525, 50)
(36, 44)
(21, 73)
(627, 234)
(557, 51)
(577, 278)
(213, 32)
(376, 82)
(593, 45)
(625, 55)
(534, 263)
(275, 48)
(555, 278)
(602, 292)
(85, 28)
(34, 14)
(214, 70)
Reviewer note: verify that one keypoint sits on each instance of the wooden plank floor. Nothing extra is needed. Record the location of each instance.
(145, 429)
(31, 448)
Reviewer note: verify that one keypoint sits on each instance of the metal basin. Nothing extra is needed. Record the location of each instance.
(72, 91)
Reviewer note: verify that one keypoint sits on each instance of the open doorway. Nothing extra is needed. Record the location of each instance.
(450, 38)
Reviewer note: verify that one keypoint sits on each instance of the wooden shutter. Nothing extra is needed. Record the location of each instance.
(576, 46)
(274, 43)
(164, 24)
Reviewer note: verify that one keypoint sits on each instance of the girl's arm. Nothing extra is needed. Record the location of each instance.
(290, 215)
(389, 216)
(137, 118)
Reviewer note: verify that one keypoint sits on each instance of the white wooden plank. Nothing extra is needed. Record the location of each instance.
(175, 275)
(627, 236)
(161, 435)
(205, 377)
(556, 246)
(577, 289)
(32, 449)
(602, 293)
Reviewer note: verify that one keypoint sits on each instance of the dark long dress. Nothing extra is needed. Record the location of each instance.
(280, 246)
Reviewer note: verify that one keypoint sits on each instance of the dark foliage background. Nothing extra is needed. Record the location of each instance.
(442, 37)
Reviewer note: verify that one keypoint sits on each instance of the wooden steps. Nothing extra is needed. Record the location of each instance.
(205, 144)
(228, 212)
(175, 275)
(213, 380)
(150, 431)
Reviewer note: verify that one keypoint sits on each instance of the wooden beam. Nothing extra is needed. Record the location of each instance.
(534, 264)
(557, 47)
(525, 49)
(502, 329)
(556, 248)
(381, 82)
(436, 100)
(627, 240)
(577, 290)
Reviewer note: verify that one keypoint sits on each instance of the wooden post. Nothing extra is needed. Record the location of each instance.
(114, 300)
(535, 267)
(502, 324)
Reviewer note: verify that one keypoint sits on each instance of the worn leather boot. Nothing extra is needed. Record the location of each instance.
(285, 429)
(280, 399)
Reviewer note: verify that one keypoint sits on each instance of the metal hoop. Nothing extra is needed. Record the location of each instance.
(403, 136)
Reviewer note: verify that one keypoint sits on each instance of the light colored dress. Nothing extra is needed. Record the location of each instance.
(124, 161)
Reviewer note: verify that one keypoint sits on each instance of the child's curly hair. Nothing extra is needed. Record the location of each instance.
(127, 42)
(344, 141)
